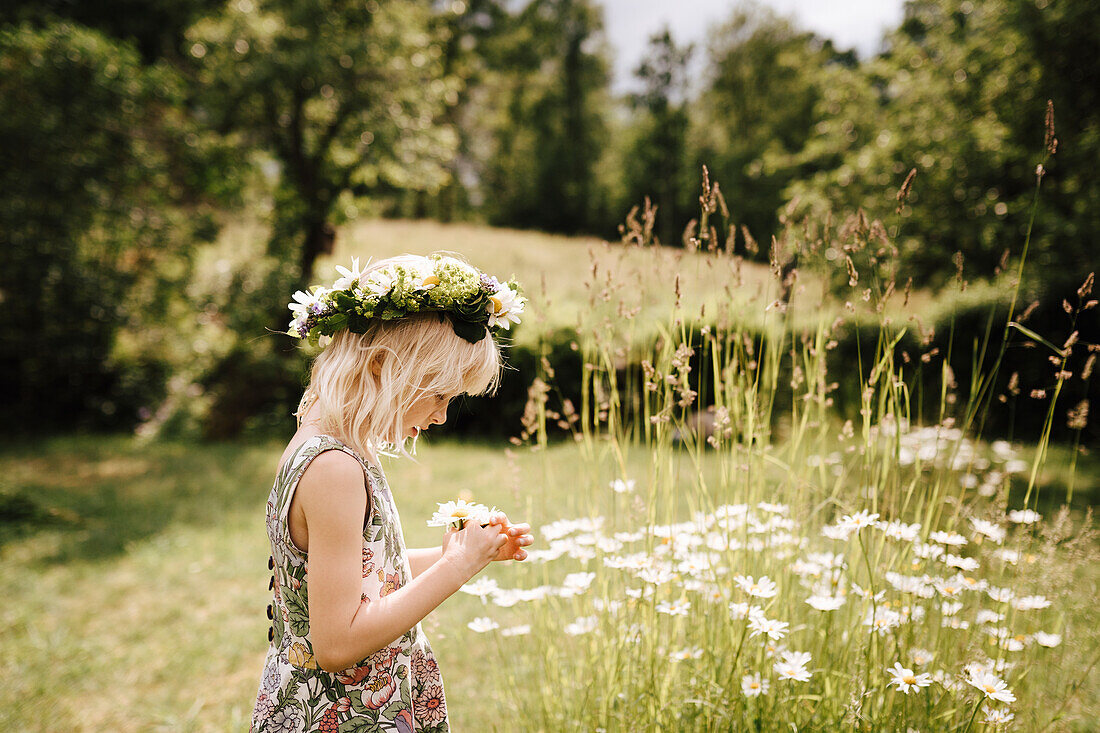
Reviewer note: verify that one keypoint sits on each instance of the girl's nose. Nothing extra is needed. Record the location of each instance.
(439, 417)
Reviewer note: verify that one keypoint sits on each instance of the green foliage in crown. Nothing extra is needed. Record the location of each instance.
(437, 283)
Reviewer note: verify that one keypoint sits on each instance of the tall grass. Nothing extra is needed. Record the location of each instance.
(738, 557)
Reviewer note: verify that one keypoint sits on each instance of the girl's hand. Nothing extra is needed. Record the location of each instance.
(473, 547)
(518, 537)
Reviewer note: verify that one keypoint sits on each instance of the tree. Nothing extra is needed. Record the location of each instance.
(342, 93)
(759, 101)
(655, 158)
(547, 109)
(102, 197)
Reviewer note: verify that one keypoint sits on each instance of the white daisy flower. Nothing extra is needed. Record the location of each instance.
(505, 307)
(753, 685)
(685, 654)
(577, 583)
(772, 628)
(1030, 603)
(985, 616)
(520, 630)
(308, 303)
(619, 486)
(793, 666)
(762, 588)
(482, 587)
(583, 625)
(836, 532)
(483, 624)
(992, 686)
(675, 608)
(921, 657)
(1048, 640)
(994, 716)
(988, 529)
(899, 530)
(906, 680)
(456, 513)
(963, 563)
(948, 538)
(380, 281)
(349, 278)
(1024, 516)
(739, 611)
(857, 521)
(825, 603)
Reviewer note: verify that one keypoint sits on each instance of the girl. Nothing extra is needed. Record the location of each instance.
(401, 339)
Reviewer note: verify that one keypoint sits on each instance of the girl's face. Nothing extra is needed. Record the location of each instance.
(429, 409)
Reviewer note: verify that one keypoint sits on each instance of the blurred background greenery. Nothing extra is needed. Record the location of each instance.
(173, 170)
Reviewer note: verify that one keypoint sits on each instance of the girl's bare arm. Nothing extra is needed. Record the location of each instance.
(343, 629)
(422, 558)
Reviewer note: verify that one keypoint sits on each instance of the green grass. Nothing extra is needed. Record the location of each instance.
(135, 595)
(555, 270)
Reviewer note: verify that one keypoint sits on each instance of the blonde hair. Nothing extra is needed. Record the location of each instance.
(416, 355)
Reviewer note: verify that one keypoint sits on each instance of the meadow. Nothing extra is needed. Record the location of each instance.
(764, 564)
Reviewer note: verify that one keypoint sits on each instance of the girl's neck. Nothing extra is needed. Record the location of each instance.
(309, 425)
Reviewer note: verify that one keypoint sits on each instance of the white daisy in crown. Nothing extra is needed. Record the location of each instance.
(505, 307)
(349, 278)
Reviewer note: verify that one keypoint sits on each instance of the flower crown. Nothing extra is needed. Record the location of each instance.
(474, 300)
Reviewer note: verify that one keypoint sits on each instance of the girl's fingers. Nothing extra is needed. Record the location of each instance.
(521, 554)
(517, 529)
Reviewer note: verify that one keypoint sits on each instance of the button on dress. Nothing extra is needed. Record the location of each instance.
(397, 688)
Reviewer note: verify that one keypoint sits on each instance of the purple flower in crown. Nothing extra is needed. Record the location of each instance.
(489, 283)
(316, 308)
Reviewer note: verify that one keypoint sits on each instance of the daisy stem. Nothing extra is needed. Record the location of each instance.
(974, 714)
(737, 654)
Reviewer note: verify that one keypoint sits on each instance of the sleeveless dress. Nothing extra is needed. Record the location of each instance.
(398, 688)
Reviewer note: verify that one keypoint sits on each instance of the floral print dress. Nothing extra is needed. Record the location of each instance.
(398, 688)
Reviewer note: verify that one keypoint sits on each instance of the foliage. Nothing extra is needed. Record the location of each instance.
(545, 108)
(956, 97)
(104, 191)
(655, 158)
(760, 101)
(344, 95)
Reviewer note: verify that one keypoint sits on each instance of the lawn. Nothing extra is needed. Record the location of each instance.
(137, 576)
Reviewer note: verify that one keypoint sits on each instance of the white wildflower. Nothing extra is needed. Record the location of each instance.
(825, 603)
(906, 680)
(991, 685)
(674, 608)
(774, 629)
(583, 625)
(753, 685)
(1030, 603)
(793, 666)
(483, 624)
(1024, 516)
(482, 587)
(619, 486)
(948, 538)
(994, 716)
(988, 529)
(762, 588)
(1048, 640)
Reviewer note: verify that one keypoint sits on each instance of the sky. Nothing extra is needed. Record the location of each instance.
(857, 24)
